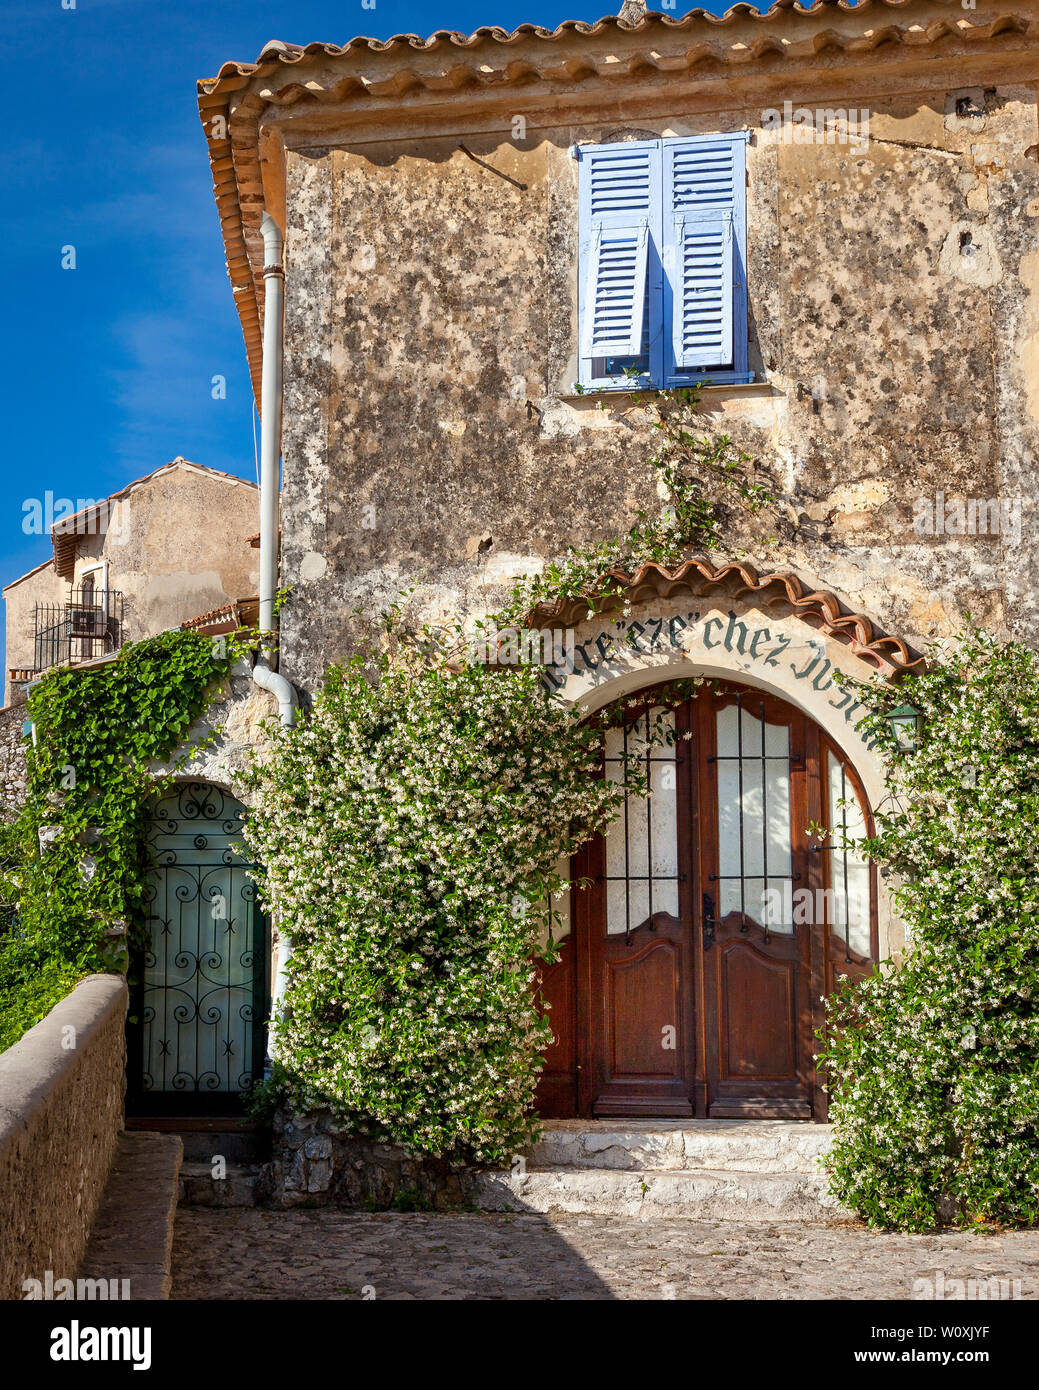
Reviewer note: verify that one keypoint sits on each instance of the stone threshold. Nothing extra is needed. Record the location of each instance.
(182, 1124)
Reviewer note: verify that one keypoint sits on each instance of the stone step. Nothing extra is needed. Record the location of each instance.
(744, 1146)
(700, 1195)
(131, 1239)
(237, 1188)
(236, 1146)
(233, 1136)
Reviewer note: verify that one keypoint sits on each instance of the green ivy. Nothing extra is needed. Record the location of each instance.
(73, 866)
(31, 984)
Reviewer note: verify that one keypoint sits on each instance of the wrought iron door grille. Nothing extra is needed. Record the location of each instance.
(202, 979)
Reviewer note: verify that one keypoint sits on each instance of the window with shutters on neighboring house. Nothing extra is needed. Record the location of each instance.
(662, 284)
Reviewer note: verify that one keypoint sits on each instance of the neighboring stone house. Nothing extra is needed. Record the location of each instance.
(166, 549)
(830, 217)
(169, 550)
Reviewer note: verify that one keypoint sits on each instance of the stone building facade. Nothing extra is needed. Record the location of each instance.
(884, 214)
(167, 548)
(432, 433)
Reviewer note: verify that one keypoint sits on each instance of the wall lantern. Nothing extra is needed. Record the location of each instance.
(906, 725)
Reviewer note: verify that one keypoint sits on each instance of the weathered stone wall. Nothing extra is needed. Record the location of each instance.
(61, 1112)
(39, 586)
(316, 1164)
(234, 721)
(177, 547)
(432, 435)
(14, 772)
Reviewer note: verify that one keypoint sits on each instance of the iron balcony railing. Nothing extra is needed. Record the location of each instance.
(88, 625)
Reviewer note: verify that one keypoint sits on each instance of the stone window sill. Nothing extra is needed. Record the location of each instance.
(748, 388)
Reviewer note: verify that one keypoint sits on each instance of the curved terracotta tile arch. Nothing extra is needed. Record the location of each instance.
(783, 590)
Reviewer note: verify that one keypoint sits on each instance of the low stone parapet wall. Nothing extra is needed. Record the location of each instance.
(740, 1170)
(61, 1113)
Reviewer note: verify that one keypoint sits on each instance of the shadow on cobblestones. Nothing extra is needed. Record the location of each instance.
(248, 1253)
(251, 1253)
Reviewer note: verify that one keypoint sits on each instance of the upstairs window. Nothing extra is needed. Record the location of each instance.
(662, 283)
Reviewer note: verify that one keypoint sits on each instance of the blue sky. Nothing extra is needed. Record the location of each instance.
(108, 365)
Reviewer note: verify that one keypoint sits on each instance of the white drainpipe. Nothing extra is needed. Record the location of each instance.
(270, 482)
(282, 689)
(270, 416)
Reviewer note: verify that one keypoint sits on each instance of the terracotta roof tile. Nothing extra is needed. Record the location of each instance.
(231, 75)
(229, 617)
(254, 540)
(782, 590)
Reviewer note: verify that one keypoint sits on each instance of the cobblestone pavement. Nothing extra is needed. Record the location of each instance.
(246, 1253)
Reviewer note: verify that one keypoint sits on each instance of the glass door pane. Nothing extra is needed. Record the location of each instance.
(642, 844)
(848, 889)
(754, 850)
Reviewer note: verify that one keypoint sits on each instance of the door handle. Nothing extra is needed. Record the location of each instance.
(710, 922)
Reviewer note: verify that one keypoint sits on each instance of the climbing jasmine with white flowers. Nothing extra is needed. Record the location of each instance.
(409, 831)
(934, 1066)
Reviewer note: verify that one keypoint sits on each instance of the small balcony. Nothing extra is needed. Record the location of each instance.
(89, 625)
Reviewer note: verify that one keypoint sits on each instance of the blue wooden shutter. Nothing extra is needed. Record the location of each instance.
(701, 321)
(704, 241)
(619, 209)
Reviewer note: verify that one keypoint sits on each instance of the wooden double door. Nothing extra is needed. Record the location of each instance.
(692, 963)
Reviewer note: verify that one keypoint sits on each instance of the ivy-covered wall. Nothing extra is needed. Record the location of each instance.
(72, 870)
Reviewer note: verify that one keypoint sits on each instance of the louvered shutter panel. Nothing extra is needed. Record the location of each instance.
(703, 191)
(619, 185)
(701, 317)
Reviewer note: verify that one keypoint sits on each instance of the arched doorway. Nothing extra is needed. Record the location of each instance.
(200, 984)
(691, 968)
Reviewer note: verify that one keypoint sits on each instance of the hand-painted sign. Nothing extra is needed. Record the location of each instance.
(607, 653)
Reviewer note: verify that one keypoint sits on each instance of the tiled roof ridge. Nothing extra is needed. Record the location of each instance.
(28, 574)
(64, 532)
(278, 51)
(238, 613)
(67, 522)
(225, 610)
(819, 608)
